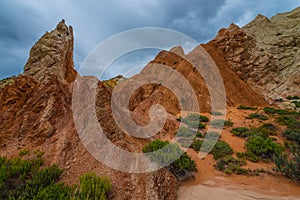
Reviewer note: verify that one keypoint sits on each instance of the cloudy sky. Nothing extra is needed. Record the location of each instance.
(24, 22)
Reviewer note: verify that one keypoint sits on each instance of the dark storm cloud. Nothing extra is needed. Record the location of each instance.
(23, 22)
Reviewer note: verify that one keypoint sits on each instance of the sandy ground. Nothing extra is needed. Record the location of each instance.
(200, 192)
(212, 184)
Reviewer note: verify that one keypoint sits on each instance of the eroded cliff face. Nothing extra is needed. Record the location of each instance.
(279, 36)
(36, 113)
(237, 91)
(265, 53)
(53, 54)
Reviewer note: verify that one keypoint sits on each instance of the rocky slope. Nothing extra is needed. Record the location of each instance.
(36, 113)
(237, 91)
(265, 53)
(258, 62)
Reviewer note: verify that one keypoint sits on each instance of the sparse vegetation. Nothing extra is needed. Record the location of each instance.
(164, 153)
(230, 165)
(297, 103)
(219, 123)
(293, 97)
(263, 148)
(269, 126)
(217, 113)
(194, 121)
(292, 134)
(289, 164)
(242, 107)
(24, 179)
(257, 116)
(221, 149)
(241, 131)
(186, 133)
(196, 145)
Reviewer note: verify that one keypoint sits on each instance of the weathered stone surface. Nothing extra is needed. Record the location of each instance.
(53, 54)
(279, 36)
(36, 113)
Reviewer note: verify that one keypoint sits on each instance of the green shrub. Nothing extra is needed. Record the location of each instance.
(269, 110)
(93, 187)
(297, 103)
(241, 131)
(217, 113)
(186, 133)
(242, 107)
(257, 116)
(194, 121)
(185, 162)
(196, 145)
(24, 152)
(199, 134)
(195, 125)
(292, 134)
(171, 155)
(196, 117)
(251, 156)
(57, 191)
(23, 179)
(263, 148)
(203, 118)
(291, 121)
(184, 142)
(269, 126)
(293, 97)
(219, 123)
(230, 165)
(289, 164)
(155, 145)
(221, 149)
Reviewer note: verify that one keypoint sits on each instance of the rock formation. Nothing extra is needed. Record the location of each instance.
(53, 54)
(36, 113)
(279, 36)
(265, 53)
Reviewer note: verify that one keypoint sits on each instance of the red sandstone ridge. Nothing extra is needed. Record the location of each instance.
(36, 113)
(237, 91)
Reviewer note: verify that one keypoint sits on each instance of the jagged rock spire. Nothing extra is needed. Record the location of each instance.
(52, 54)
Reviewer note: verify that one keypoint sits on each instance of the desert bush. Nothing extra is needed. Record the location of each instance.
(241, 131)
(292, 134)
(289, 164)
(229, 164)
(221, 149)
(93, 187)
(264, 148)
(196, 145)
(293, 97)
(291, 121)
(196, 117)
(199, 134)
(167, 155)
(269, 126)
(269, 110)
(217, 113)
(186, 133)
(219, 123)
(195, 125)
(242, 107)
(185, 142)
(24, 179)
(257, 116)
